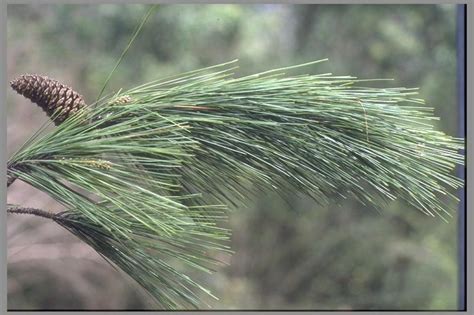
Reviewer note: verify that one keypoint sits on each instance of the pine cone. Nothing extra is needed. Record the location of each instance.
(52, 96)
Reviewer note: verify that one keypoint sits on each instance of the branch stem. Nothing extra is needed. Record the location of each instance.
(32, 211)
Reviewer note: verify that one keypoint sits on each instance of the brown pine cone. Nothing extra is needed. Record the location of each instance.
(52, 96)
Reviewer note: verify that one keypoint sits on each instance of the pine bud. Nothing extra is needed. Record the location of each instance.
(52, 96)
(121, 100)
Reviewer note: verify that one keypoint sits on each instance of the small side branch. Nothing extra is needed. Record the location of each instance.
(32, 211)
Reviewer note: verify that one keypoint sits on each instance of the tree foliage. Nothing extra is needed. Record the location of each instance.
(146, 173)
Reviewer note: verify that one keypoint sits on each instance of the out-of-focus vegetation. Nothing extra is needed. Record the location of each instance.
(290, 252)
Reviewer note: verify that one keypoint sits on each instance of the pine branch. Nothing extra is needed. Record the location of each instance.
(326, 135)
(16, 209)
(131, 259)
(146, 174)
(145, 262)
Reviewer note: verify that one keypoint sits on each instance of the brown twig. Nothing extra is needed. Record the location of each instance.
(14, 209)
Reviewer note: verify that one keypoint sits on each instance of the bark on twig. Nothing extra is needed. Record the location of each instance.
(32, 211)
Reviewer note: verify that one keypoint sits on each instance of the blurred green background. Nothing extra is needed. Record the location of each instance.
(290, 253)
